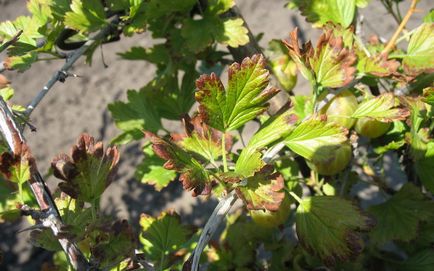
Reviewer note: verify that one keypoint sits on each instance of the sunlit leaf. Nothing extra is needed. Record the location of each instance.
(420, 50)
(151, 170)
(244, 98)
(312, 135)
(382, 108)
(328, 227)
(235, 34)
(264, 190)
(161, 237)
(86, 15)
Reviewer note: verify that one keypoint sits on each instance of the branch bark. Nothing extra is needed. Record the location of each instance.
(61, 74)
(51, 218)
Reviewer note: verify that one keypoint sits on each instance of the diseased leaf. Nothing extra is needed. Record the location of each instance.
(264, 190)
(377, 65)
(20, 63)
(328, 227)
(201, 139)
(244, 98)
(312, 135)
(86, 15)
(320, 12)
(162, 237)
(193, 175)
(420, 50)
(329, 64)
(405, 210)
(88, 171)
(151, 170)
(382, 108)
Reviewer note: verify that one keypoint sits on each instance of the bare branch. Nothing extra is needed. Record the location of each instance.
(61, 74)
(51, 218)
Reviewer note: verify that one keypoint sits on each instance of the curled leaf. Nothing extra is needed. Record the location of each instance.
(88, 170)
(331, 63)
(382, 108)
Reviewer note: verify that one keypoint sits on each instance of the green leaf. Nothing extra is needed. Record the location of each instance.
(151, 170)
(264, 190)
(312, 135)
(234, 35)
(428, 94)
(424, 167)
(421, 261)
(21, 63)
(303, 105)
(193, 176)
(158, 54)
(274, 129)
(420, 50)
(376, 65)
(199, 33)
(113, 244)
(161, 237)
(284, 68)
(86, 15)
(320, 12)
(89, 170)
(6, 93)
(244, 98)
(157, 8)
(218, 7)
(327, 226)
(405, 210)
(429, 18)
(136, 115)
(381, 108)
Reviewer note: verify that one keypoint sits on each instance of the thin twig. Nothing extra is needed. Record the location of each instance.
(11, 41)
(404, 21)
(51, 218)
(61, 74)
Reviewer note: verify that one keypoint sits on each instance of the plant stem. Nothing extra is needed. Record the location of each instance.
(297, 198)
(225, 162)
(404, 21)
(62, 73)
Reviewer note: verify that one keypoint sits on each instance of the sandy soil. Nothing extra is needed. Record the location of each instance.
(79, 105)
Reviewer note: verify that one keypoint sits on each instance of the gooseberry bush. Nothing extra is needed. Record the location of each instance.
(300, 175)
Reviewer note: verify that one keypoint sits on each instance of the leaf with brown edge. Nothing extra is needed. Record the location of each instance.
(383, 108)
(201, 139)
(377, 65)
(264, 190)
(244, 99)
(331, 63)
(88, 171)
(329, 227)
(193, 174)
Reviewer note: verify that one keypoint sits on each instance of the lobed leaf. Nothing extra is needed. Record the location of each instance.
(162, 237)
(86, 15)
(244, 98)
(234, 33)
(382, 108)
(420, 50)
(329, 226)
(151, 171)
(264, 190)
(405, 210)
